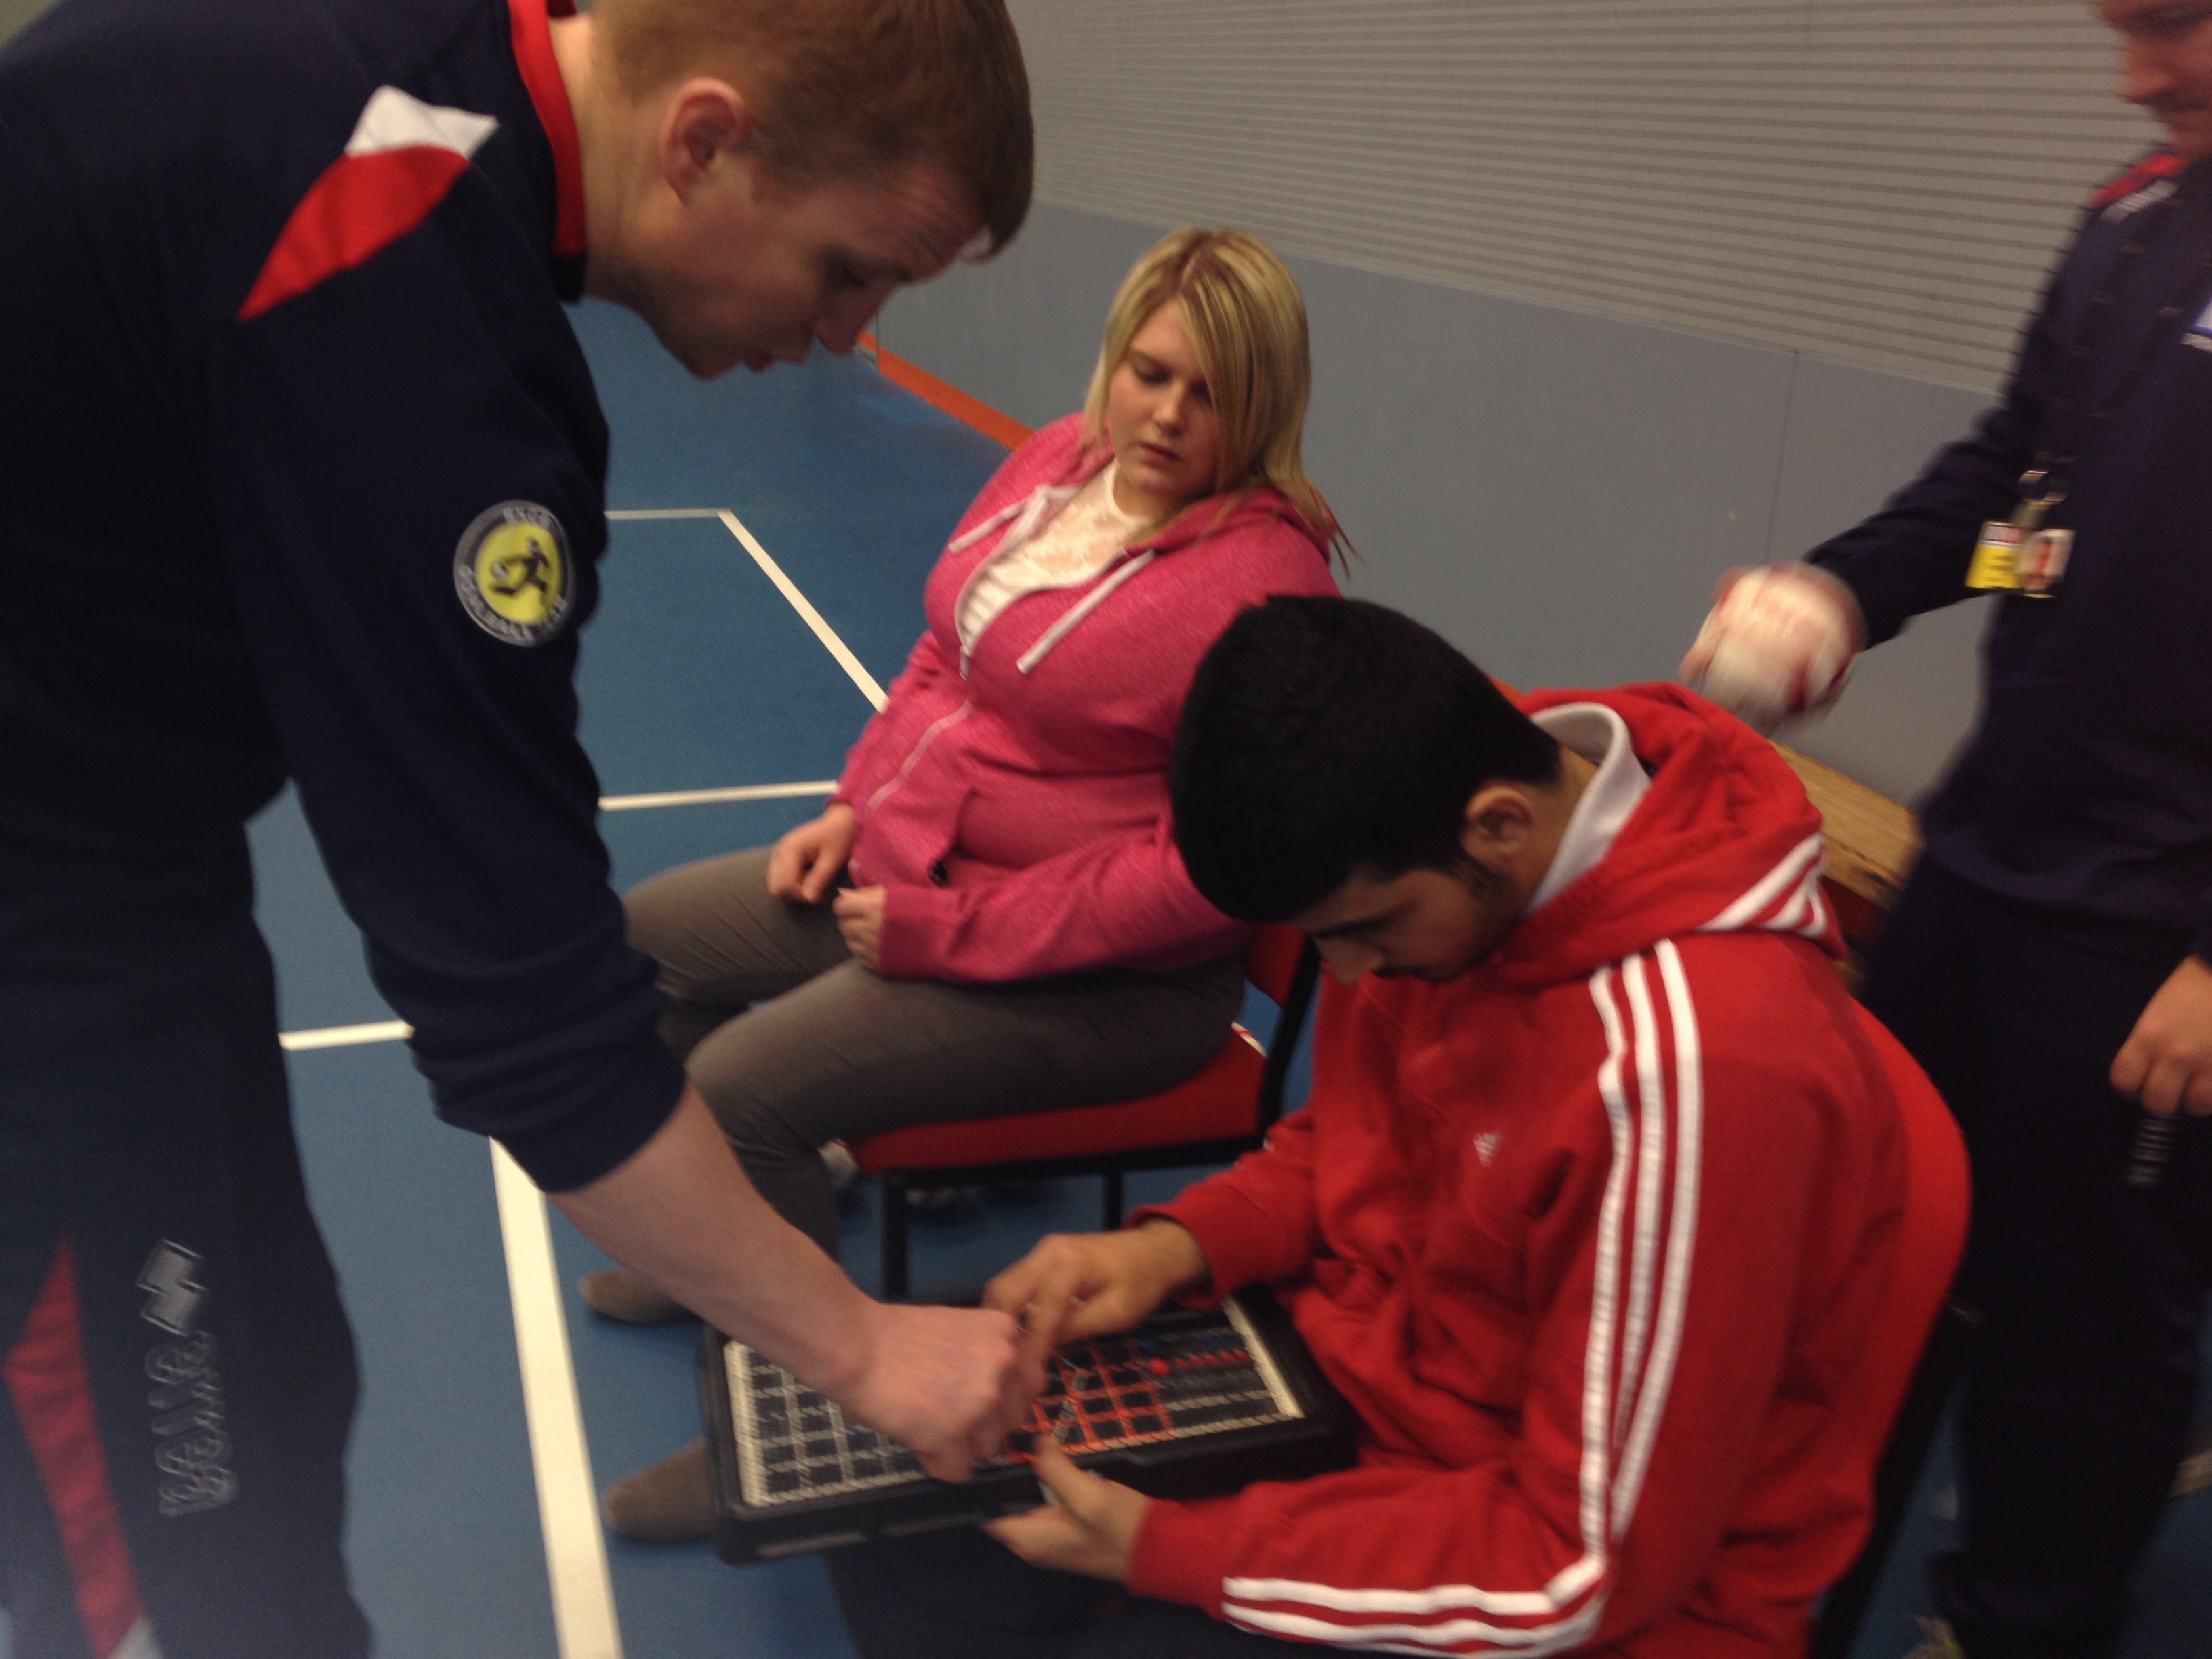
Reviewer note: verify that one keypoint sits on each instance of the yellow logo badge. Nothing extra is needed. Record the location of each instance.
(511, 573)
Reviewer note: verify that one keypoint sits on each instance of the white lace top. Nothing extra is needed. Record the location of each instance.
(1081, 541)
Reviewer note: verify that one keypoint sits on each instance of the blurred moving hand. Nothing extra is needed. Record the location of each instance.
(1778, 644)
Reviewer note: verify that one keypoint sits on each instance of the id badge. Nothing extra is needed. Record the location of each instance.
(1997, 556)
(2042, 564)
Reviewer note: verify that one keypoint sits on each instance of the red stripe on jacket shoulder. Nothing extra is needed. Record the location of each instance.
(356, 209)
(2150, 170)
(402, 160)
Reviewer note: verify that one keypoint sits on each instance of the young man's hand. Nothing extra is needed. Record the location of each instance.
(809, 858)
(1090, 1527)
(2167, 1062)
(1075, 1285)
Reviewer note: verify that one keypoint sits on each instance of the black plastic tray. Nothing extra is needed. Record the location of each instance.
(903, 1499)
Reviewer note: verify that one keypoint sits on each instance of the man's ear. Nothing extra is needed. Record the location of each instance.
(706, 125)
(1500, 818)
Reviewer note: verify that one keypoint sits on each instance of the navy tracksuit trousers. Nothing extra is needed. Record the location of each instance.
(176, 1376)
(2088, 1262)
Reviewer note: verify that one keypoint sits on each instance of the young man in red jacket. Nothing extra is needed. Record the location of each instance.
(1588, 1217)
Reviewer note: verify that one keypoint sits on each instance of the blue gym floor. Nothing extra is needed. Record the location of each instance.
(698, 674)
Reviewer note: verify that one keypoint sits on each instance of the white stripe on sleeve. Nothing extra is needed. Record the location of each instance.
(1633, 1264)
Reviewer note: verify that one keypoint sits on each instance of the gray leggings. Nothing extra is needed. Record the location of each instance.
(794, 1043)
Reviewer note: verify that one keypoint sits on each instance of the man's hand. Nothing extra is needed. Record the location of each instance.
(948, 1381)
(808, 858)
(859, 915)
(1074, 1285)
(1091, 1528)
(2167, 1062)
(1777, 644)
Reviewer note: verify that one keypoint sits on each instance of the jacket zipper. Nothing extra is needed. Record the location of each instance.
(920, 748)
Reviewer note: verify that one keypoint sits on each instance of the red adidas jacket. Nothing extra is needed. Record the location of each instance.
(1589, 1236)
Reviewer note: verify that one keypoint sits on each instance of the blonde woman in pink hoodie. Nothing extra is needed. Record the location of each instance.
(991, 915)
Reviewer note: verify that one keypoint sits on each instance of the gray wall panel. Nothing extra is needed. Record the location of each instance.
(1554, 491)
(1550, 490)
(1879, 182)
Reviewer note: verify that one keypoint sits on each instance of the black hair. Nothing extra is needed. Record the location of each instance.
(1326, 738)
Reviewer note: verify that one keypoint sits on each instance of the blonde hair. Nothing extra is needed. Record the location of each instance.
(1246, 322)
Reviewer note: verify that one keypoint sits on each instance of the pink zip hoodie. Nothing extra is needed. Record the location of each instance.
(1014, 805)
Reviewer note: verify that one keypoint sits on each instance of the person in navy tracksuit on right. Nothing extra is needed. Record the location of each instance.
(2049, 962)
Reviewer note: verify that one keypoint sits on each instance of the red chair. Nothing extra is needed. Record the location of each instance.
(1225, 1109)
(1918, 1350)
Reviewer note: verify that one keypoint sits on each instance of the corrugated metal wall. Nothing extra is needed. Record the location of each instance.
(1878, 182)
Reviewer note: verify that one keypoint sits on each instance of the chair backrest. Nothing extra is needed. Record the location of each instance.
(1284, 963)
(1271, 961)
(1915, 1350)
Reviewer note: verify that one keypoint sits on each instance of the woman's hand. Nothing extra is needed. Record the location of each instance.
(1088, 1525)
(808, 858)
(859, 915)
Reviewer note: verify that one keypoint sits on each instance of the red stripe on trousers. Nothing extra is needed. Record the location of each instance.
(47, 1377)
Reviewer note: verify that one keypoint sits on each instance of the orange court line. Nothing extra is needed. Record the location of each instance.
(970, 411)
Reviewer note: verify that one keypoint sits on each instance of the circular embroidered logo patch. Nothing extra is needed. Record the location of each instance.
(511, 573)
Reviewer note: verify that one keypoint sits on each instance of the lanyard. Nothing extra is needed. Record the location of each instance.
(2026, 554)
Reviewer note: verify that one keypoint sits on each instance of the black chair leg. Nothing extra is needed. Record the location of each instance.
(1111, 1177)
(893, 1187)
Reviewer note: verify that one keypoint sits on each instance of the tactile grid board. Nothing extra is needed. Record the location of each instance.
(1185, 1371)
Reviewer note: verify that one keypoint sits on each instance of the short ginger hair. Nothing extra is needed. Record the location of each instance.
(854, 87)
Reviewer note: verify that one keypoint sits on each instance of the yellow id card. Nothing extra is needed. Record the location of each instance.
(1997, 556)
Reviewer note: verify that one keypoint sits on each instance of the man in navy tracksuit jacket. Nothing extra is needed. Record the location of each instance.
(300, 474)
(2049, 962)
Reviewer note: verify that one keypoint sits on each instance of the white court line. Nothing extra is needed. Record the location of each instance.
(559, 1458)
(344, 1037)
(567, 1508)
(708, 797)
(807, 614)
